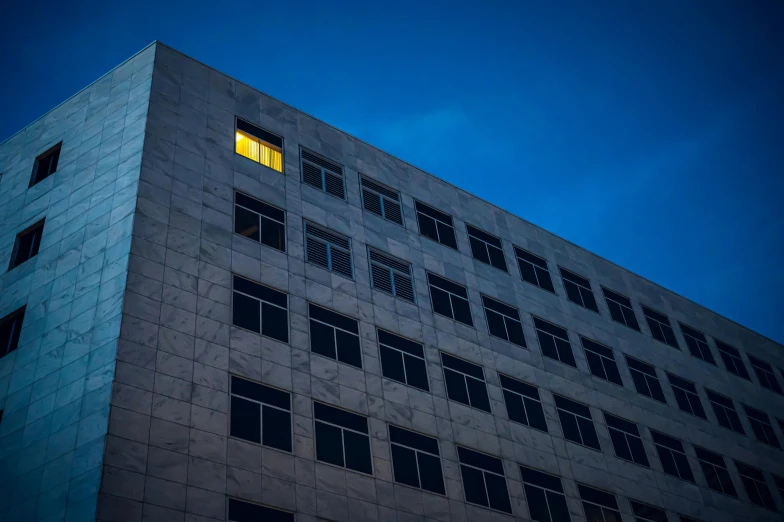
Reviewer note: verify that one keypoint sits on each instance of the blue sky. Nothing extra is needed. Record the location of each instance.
(651, 133)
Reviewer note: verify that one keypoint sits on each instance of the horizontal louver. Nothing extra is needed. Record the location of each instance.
(391, 275)
(329, 250)
(341, 262)
(317, 252)
(381, 200)
(382, 278)
(334, 185)
(372, 202)
(323, 174)
(311, 175)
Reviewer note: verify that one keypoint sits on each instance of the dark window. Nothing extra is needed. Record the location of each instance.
(756, 488)
(672, 456)
(523, 404)
(601, 361)
(732, 360)
(259, 221)
(684, 518)
(621, 309)
(776, 478)
(342, 438)
(686, 396)
(715, 471)
(240, 511)
(260, 414)
(554, 342)
(378, 199)
(10, 328)
(391, 275)
(646, 513)
(416, 460)
(486, 248)
(324, 174)
(46, 164)
(449, 299)
(660, 326)
(27, 244)
(625, 437)
(533, 269)
(764, 372)
(578, 290)
(334, 335)
(599, 506)
(697, 343)
(484, 482)
(761, 426)
(465, 382)
(435, 225)
(645, 379)
(328, 250)
(403, 360)
(545, 496)
(576, 422)
(259, 145)
(725, 411)
(503, 321)
(260, 309)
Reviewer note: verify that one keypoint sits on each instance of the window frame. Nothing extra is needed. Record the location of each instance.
(582, 489)
(262, 405)
(710, 460)
(559, 409)
(688, 395)
(761, 426)
(261, 308)
(656, 514)
(342, 437)
(623, 308)
(696, 346)
(595, 349)
(383, 345)
(416, 451)
(645, 377)
(366, 183)
(465, 376)
(662, 326)
(323, 170)
(759, 367)
(329, 246)
(335, 335)
(747, 472)
(55, 150)
(718, 403)
(626, 432)
(261, 217)
(475, 233)
(16, 320)
(534, 265)
(538, 329)
(430, 286)
(504, 318)
(726, 353)
(545, 489)
(484, 479)
(264, 511)
(580, 289)
(395, 273)
(525, 396)
(437, 220)
(265, 140)
(662, 446)
(37, 231)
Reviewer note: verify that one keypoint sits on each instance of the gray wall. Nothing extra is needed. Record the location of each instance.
(56, 387)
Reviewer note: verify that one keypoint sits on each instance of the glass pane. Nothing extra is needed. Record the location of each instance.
(527, 272)
(246, 313)
(537, 504)
(640, 384)
(515, 408)
(656, 389)
(638, 451)
(497, 492)
(589, 300)
(440, 302)
(329, 444)
(565, 352)
(271, 157)
(535, 413)
(474, 486)
(447, 235)
(349, 351)
(497, 258)
(515, 330)
(275, 322)
(573, 292)
(619, 444)
(427, 227)
(246, 223)
(595, 365)
(245, 420)
(495, 323)
(462, 311)
(322, 339)
(593, 513)
(547, 343)
(477, 392)
(455, 386)
(588, 432)
(667, 461)
(613, 375)
(392, 364)
(247, 146)
(416, 372)
(277, 428)
(558, 507)
(544, 279)
(273, 234)
(358, 452)
(569, 426)
(404, 466)
(430, 473)
(615, 311)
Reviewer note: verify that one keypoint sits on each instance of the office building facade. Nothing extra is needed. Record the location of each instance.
(216, 307)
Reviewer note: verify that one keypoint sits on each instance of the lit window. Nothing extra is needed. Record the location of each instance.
(259, 145)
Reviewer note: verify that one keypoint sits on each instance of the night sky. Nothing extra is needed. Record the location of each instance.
(651, 133)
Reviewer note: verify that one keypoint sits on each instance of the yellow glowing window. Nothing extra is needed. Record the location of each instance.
(259, 145)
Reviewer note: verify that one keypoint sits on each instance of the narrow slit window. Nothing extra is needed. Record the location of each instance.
(646, 382)
(732, 360)
(660, 326)
(435, 225)
(621, 309)
(380, 200)
(260, 414)
(342, 438)
(486, 248)
(403, 360)
(756, 488)
(697, 343)
(391, 275)
(328, 250)
(334, 336)
(484, 482)
(647, 513)
(260, 309)
(601, 361)
(725, 411)
(241, 511)
(761, 426)
(10, 328)
(626, 440)
(259, 221)
(686, 396)
(554, 342)
(578, 290)
(503, 321)
(533, 269)
(449, 299)
(599, 506)
(465, 382)
(27, 244)
(46, 164)
(545, 496)
(672, 456)
(715, 470)
(259, 145)
(576, 422)
(323, 174)
(764, 372)
(416, 460)
(523, 404)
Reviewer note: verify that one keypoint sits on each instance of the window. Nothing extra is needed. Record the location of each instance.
(684, 518)
(46, 164)
(756, 488)
(776, 478)
(483, 480)
(697, 343)
(660, 326)
(715, 471)
(599, 506)
(259, 145)
(334, 335)
(673, 458)
(732, 360)
(523, 404)
(380, 200)
(686, 396)
(240, 511)
(545, 496)
(260, 414)
(465, 382)
(533, 269)
(621, 309)
(645, 513)
(27, 244)
(503, 321)
(259, 221)
(328, 250)
(403, 360)
(626, 440)
(761, 426)
(260, 309)
(449, 299)
(391, 275)
(645, 380)
(486, 248)
(10, 328)
(601, 361)
(554, 342)
(342, 438)
(323, 174)
(576, 422)
(416, 460)
(725, 411)
(578, 289)
(764, 372)
(435, 225)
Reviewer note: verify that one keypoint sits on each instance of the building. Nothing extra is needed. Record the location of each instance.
(215, 303)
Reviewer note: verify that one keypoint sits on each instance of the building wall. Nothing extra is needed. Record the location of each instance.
(56, 387)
